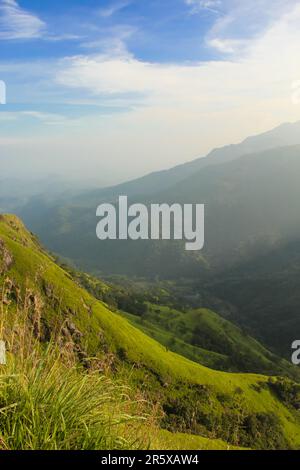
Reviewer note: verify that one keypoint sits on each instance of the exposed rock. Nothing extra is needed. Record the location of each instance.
(74, 332)
(71, 311)
(71, 327)
(11, 292)
(45, 332)
(13, 224)
(6, 258)
(82, 356)
(65, 332)
(88, 308)
(48, 289)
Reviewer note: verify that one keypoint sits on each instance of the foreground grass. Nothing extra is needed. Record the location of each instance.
(49, 402)
(46, 405)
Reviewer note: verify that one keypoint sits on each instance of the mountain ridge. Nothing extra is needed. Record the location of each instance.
(283, 135)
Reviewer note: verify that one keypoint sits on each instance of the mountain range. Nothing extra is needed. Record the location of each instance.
(248, 189)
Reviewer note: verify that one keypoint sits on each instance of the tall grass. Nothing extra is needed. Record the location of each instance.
(49, 402)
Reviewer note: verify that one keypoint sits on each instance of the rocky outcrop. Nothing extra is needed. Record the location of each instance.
(6, 258)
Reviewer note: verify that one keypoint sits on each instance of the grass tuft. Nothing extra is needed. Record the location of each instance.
(49, 402)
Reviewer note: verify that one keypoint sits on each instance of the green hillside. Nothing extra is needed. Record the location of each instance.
(241, 409)
(203, 336)
(163, 311)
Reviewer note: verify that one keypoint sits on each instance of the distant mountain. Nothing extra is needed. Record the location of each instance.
(250, 204)
(250, 209)
(284, 135)
(17, 192)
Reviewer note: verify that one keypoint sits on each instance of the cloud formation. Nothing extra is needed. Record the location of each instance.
(113, 9)
(17, 23)
(238, 22)
(200, 5)
(269, 60)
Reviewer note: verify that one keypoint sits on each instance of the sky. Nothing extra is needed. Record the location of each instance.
(107, 90)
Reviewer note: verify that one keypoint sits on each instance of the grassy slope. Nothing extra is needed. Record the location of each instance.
(175, 344)
(203, 336)
(166, 440)
(95, 321)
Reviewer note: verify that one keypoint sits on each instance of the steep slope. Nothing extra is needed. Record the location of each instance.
(243, 409)
(169, 312)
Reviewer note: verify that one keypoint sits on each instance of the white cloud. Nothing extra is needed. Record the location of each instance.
(112, 41)
(200, 5)
(227, 46)
(17, 23)
(46, 118)
(62, 37)
(113, 9)
(240, 22)
(270, 63)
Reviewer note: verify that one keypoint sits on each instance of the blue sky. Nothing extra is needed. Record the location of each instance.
(151, 28)
(164, 31)
(141, 84)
